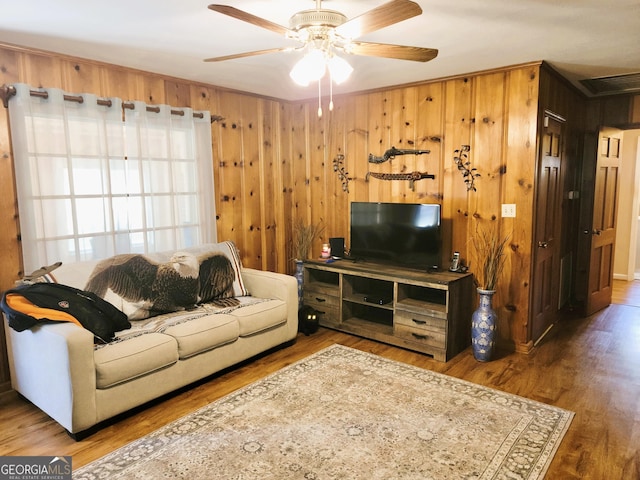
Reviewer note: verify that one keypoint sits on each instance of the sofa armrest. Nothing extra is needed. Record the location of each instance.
(52, 365)
(283, 287)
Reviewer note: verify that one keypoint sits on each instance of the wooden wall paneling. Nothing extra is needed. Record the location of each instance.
(205, 98)
(317, 175)
(458, 124)
(149, 89)
(9, 66)
(81, 77)
(177, 94)
(337, 199)
(271, 205)
(250, 170)
(379, 141)
(429, 134)
(286, 191)
(357, 149)
(521, 123)
(40, 71)
(301, 161)
(400, 122)
(116, 82)
(228, 156)
(489, 147)
(10, 253)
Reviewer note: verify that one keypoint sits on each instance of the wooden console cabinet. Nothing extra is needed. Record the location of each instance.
(425, 312)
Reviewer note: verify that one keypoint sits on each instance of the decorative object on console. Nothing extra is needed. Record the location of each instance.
(412, 177)
(337, 247)
(343, 176)
(490, 255)
(393, 152)
(303, 237)
(469, 174)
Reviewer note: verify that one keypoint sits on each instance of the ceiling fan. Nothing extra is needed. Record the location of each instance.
(329, 31)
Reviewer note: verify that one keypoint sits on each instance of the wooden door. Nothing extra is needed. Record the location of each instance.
(546, 253)
(600, 234)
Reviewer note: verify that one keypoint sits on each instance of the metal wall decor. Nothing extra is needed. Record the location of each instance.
(390, 155)
(411, 177)
(469, 173)
(343, 175)
(393, 152)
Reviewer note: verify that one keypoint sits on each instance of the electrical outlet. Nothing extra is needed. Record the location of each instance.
(508, 210)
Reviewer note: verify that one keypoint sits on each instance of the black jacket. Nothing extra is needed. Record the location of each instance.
(94, 313)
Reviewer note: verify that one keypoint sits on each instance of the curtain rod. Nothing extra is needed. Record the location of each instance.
(8, 91)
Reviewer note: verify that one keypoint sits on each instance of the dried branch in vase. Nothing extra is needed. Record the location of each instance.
(490, 258)
(303, 237)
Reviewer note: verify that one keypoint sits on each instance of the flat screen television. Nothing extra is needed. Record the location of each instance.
(402, 234)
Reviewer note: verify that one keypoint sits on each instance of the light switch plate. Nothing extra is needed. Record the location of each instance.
(508, 210)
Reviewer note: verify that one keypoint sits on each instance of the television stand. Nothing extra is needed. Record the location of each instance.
(428, 312)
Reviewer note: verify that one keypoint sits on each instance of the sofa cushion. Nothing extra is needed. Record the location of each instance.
(204, 333)
(260, 316)
(134, 357)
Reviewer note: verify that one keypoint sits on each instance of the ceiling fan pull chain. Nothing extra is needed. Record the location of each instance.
(330, 92)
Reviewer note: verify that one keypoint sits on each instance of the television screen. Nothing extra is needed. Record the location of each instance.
(403, 234)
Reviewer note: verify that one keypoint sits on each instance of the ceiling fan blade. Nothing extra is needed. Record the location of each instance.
(249, 18)
(247, 54)
(401, 52)
(387, 14)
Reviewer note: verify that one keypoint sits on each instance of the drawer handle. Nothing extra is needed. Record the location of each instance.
(421, 337)
(318, 299)
(419, 322)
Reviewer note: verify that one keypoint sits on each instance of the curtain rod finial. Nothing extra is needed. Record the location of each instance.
(6, 92)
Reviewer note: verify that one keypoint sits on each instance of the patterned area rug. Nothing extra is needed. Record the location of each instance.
(343, 413)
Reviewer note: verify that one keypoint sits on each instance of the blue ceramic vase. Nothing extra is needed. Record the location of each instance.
(300, 277)
(483, 327)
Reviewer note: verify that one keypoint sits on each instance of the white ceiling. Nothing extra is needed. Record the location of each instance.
(579, 38)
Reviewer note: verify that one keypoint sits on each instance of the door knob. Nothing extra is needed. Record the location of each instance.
(596, 232)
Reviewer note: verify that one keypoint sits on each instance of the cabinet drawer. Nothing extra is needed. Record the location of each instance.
(320, 299)
(423, 336)
(420, 322)
(326, 304)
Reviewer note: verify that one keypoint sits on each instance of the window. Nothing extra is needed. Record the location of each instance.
(93, 182)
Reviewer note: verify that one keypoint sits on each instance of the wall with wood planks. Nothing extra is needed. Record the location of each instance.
(273, 160)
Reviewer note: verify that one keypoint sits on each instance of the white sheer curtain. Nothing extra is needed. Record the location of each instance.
(90, 185)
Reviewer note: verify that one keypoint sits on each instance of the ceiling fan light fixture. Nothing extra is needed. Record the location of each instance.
(309, 68)
(339, 68)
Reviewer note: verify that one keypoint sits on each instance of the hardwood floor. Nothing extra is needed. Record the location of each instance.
(587, 365)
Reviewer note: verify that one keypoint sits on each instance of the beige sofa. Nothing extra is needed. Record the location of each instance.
(57, 367)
